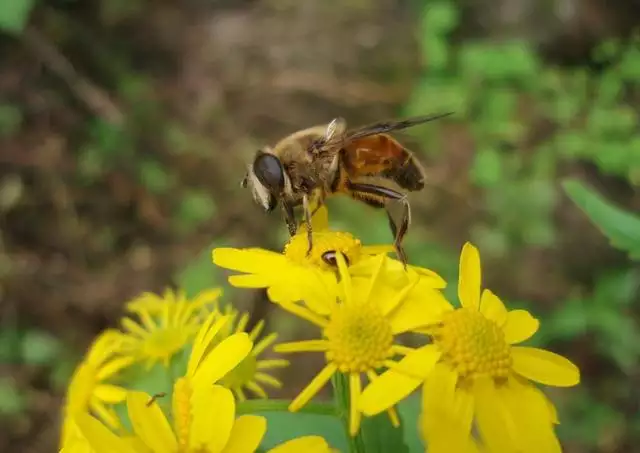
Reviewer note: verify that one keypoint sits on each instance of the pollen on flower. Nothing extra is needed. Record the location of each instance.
(360, 338)
(473, 344)
(323, 243)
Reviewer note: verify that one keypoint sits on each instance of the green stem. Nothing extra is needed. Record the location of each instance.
(273, 405)
(340, 384)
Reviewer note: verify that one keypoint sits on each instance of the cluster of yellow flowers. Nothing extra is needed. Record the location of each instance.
(477, 389)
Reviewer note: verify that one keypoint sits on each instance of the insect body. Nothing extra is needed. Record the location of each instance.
(366, 164)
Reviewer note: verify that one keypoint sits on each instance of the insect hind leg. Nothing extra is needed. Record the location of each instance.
(378, 196)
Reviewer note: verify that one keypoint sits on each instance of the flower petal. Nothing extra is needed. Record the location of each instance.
(493, 417)
(421, 307)
(469, 280)
(355, 391)
(111, 394)
(249, 261)
(544, 367)
(492, 308)
(101, 439)
(223, 358)
(397, 383)
(149, 423)
(306, 444)
(250, 281)
(313, 387)
(213, 415)
(531, 417)
(246, 434)
(520, 326)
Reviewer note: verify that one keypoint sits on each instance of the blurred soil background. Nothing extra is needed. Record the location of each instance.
(125, 126)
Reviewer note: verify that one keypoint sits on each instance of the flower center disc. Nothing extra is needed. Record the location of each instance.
(473, 344)
(360, 338)
(323, 242)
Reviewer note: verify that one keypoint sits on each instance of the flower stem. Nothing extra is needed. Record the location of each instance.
(340, 384)
(273, 405)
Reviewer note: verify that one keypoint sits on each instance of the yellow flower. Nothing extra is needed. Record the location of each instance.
(213, 428)
(250, 374)
(295, 275)
(166, 324)
(90, 390)
(475, 370)
(359, 329)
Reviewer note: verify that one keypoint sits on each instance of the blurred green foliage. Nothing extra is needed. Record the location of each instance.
(14, 15)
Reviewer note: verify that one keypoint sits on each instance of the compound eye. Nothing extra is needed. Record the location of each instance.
(268, 169)
(329, 257)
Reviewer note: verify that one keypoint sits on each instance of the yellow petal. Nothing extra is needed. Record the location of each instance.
(223, 358)
(313, 387)
(111, 394)
(101, 439)
(492, 308)
(493, 417)
(213, 414)
(318, 289)
(422, 307)
(394, 385)
(544, 367)
(250, 261)
(469, 280)
(246, 434)
(250, 281)
(520, 326)
(355, 390)
(439, 398)
(530, 414)
(113, 367)
(306, 444)
(208, 330)
(149, 423)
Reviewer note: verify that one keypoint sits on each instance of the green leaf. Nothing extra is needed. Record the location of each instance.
(14, 15)
(380, 436)
(622, 228)
(283, 426)
(39, 348)
(409, 410)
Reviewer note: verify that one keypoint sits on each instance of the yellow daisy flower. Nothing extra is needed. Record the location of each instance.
(294, 275)
(203, 413)
(90, 390)
(251, 374)
(474, 368)
(359, 329)
(165, 324)
(210, 431)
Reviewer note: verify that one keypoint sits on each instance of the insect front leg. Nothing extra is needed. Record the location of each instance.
(289, 218)
(378, 196)
(307, 219)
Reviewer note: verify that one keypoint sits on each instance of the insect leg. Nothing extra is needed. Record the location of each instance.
(289, 217)
(307, 220)
(378, 196)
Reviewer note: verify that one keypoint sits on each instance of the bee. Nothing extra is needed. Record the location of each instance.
(365, 163)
